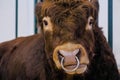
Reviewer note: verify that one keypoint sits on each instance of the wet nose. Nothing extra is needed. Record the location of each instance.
(69, 56)
(68, 53)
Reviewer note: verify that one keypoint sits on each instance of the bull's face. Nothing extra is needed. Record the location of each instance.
(68, 31)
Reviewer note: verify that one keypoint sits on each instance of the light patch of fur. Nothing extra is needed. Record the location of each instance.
(89, 26)
(49, 27)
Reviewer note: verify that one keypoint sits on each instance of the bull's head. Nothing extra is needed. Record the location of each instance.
(67, 26)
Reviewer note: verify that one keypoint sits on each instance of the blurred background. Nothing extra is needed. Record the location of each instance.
(17, 19)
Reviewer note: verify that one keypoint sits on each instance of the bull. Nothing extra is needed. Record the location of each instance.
(70, 46)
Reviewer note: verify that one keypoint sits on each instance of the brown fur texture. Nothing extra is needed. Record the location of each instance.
(31, 58)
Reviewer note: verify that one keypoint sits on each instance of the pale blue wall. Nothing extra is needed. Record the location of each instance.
(116, 30)
(7, 20)
(25, 17)
(103, 16)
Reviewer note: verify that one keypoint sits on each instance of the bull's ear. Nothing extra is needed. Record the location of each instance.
(38, 9)
(90, 23)
(95, 3)
(38, 15)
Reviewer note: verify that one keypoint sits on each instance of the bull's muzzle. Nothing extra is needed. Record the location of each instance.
(72, 58)
(69, 60)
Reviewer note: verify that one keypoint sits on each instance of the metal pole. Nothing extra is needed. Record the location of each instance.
(110, 22)
(35, 20)
(16, 20)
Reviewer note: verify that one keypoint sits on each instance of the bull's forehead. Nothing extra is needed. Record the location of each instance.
(65, 7)
(61, 14)
(69, 17)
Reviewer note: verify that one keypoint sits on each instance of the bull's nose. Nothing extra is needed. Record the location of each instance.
(69, 56)
(69, 53)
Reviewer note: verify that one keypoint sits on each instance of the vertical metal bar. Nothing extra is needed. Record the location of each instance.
(16, 19)
(35, 20)
(110, 22)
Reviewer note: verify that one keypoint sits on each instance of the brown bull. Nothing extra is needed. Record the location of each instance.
(70, 46)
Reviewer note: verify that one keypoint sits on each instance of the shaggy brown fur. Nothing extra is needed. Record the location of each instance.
(31, 58)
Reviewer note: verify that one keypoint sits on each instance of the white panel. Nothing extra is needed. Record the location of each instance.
(103, 16)
(7, 20)
(116, 30)
(25, 17)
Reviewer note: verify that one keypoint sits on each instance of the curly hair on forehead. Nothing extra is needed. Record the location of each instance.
(60, 10)
(66, 4)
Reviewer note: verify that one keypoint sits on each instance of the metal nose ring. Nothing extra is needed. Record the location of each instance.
(68, 70)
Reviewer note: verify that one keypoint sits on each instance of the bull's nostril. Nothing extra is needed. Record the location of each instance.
(60, 56)
(69, 54)
(78, 54)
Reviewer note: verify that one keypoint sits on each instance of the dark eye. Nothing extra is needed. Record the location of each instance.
(91, 22)
(45, 23)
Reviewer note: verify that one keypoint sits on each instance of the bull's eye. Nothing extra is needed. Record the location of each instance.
(91, 22)
(45, 23)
